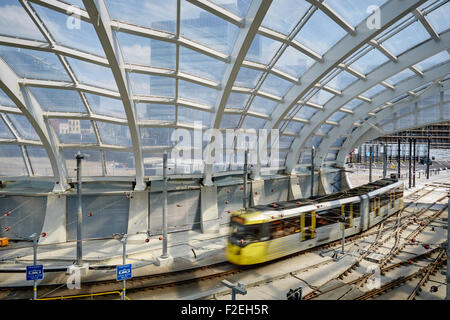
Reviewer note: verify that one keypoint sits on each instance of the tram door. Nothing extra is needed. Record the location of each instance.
(347, 212)
(308, 225)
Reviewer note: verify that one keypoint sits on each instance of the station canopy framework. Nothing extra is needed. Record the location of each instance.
(115, 78)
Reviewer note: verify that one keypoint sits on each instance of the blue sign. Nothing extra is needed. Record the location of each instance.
(35, 272)
(368, 153)
(124, 272)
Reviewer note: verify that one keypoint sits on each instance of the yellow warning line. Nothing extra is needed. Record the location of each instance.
(85, 295)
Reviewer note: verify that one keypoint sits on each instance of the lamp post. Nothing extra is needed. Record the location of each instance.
(79, 157)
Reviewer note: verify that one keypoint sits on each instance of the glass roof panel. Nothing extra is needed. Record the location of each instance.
(156, 14)
(354, 11)
(283, 15)
(352, 105)
(320, 33)
(285, 141)
(400, 76)
(73, 131)
(115, 134)
(263, 105)
(239, 7)
(325, 128)
(68, 31)
(119, 163)
(14, 21)
(145, 51)
(306, 112)
(294, 127)
(439, 18)
(154, 111)
(253, 122)
(321, 97)
(106, 106)
(201, 65)
(237, 100)
(293, 62)
(262, 49)
(78, 3)
(11, 161)
(206, 28)
(406, 38)
(197, 93)
(429, 63)
(342, 80)
(23, 127)
(276, 85)
(39, 161)
(247, 78)
(58, 100)
(144, 84)
(190, 116)
(230, 120)
(93, 74)
(5, 100)
(5, 133)
(92, 165)
(32, 64)
(374, 91)
(338, 116)
(369, 61)
(313, 141)
(156, 136)
(339, 142)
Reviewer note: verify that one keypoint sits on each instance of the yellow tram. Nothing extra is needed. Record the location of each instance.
(266, 232)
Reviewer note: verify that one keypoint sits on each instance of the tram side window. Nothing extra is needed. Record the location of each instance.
(284, 227)
(398, 192)
(327, 217)
(385, 199)
(276, 229)
(356, 210)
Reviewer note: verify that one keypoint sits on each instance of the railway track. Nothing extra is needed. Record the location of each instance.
(221, 270)
(379, 241)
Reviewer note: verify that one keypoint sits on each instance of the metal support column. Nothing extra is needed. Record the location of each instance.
(245, 179)
(384, 160)
(164, 217)
(410, 164)
(35, 242)
(124, 244)
(79, 157)
(447, 297)
(414, 163)
(428, 159)
(312, 170)
(370, 162)
(398, 158)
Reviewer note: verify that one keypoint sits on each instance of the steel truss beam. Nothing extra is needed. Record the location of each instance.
(369, 130)
(410, 57)
(380, 100)
(102, 24)
(24, 100)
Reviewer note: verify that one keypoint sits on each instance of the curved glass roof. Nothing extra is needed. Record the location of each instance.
(116, 79)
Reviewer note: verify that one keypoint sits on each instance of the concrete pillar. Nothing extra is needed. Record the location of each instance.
(138, 214)
(257, 195)
(294, 188)
(209, 216)
(55, 220)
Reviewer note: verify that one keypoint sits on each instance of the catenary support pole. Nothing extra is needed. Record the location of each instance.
(384, 160)
(164, 217)
(428, 159)
(79, 157)
(312, 170)
(414, 163)
(448, 248)
(245, 179)
(398, 158)
(410, 164)
(124, 257)
(370, 162)
(35, 243)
